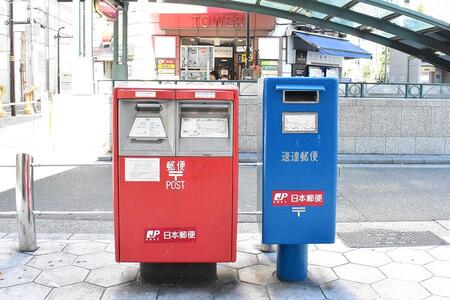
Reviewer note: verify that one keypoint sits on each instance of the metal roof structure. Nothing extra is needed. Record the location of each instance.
(378, 21)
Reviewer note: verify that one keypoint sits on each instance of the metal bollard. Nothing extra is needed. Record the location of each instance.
(24, 202)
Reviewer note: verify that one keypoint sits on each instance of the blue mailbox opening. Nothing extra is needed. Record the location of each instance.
(299, 168)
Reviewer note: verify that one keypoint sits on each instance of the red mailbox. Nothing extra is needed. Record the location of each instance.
(175, 174)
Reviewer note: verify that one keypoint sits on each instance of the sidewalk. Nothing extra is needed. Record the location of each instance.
(82, 266)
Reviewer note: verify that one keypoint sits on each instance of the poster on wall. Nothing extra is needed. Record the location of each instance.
(269, 68)
(165, 46)
(165, 67)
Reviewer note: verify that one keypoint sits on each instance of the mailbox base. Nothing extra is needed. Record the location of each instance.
(292, 262)
(178, 272)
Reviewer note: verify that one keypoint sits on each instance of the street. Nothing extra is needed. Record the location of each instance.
(366, 193)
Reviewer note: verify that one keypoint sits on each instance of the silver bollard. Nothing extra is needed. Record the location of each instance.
(24, 202)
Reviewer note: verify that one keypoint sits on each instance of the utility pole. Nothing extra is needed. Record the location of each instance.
(12, 73)
(47, 50)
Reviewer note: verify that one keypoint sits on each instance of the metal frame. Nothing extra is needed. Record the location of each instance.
(430, 45)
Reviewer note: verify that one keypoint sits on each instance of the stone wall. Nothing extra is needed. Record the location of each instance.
(394, 126)
(373, 126)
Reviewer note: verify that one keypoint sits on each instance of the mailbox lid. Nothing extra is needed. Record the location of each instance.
(299, 161)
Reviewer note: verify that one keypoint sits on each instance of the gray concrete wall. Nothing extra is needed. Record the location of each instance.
(394, 126)
(373, 126)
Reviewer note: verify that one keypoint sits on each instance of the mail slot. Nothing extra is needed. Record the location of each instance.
(175, 179)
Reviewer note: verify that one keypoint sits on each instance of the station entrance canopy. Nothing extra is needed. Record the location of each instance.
(378, 21)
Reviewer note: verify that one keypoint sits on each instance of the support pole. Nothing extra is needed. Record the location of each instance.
(116, 42)
(247, 51)
(292, 262)
(125, 34)
(24, 202)
(12, 72)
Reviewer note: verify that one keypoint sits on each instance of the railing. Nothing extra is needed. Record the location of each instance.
(350, 89)
(395, 90)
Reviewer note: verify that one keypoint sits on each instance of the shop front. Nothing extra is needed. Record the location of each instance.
(316, 55)
(196, 44)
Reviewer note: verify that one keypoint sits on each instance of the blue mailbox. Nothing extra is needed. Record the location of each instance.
(299, 168)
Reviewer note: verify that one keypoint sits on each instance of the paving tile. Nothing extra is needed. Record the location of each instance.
(95, 260)
(348, 290)
(400, 289)
(439, 268)
(135, 291)
(12, 236)
(29, 291)
(58, 277)
(186, 292)
(326, 258)
(320, 275)
(368, 257)
(250, 246)
(404, 271)
(413, 256)
(17, 275)
(437, 298)
(404, 226)
(12, 259)
(87, 247)
(53, 236)
(91, 237)
(112, 275)
(269, 259)
(259, 274)
(52, 260)
(338, 246)
(131, 264)
(445, 235)
(49, 247)
(295, 291)
(444, 223)
(359, 273)
(226, 275)
(441, 252)
(241, 290)
(438, 286)
(8, 246)
(79, 291)
(243, 260)
(111, 248)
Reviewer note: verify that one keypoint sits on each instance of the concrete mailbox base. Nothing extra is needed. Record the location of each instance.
(178, 272)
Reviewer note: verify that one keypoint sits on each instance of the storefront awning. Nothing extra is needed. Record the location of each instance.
(333, 46)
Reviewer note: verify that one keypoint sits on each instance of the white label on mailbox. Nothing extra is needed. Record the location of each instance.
(142, 169)
(205, 95)
(147, 128)
(302, 122)
(147, 94)
(204, 127)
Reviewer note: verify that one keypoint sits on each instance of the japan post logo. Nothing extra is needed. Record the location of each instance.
(279, 196)
(175, 170)
(152, 235)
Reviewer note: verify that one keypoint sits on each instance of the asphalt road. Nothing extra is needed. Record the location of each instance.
(365, 192)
